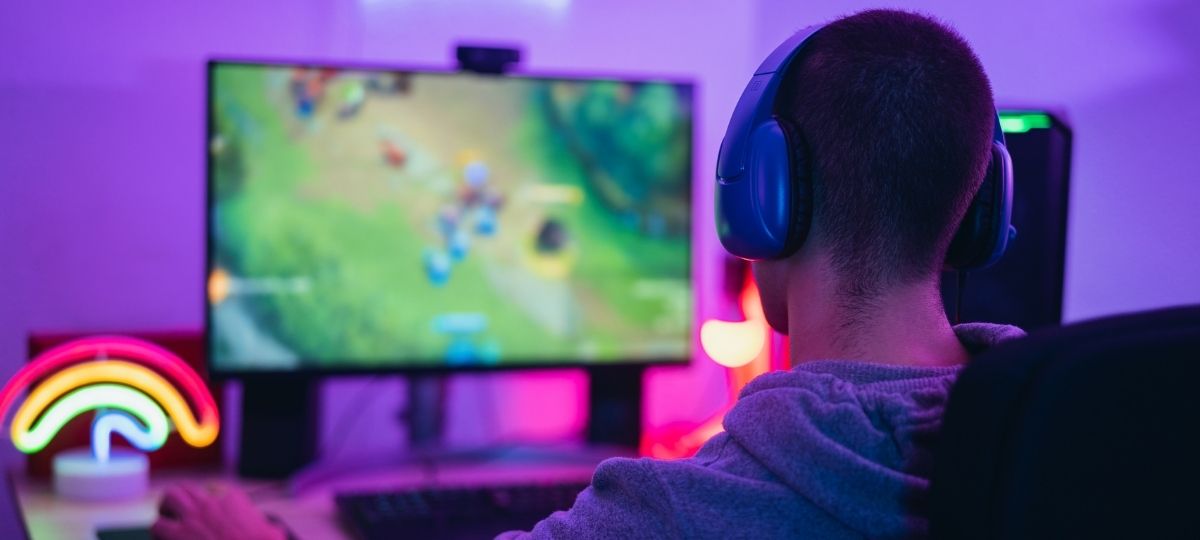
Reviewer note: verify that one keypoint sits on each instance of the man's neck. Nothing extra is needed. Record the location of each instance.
(905, 326)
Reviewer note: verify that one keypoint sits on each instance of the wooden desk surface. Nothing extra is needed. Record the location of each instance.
(308, 510)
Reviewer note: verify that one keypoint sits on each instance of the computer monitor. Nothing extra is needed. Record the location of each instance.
(1025, 288)
(381, 219)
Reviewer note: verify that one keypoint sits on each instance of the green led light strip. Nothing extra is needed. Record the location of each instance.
(1022, 122)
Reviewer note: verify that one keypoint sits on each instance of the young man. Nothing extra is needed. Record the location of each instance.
(898, 116)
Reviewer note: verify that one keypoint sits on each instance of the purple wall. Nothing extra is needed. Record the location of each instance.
(101, 149)
(101, 164)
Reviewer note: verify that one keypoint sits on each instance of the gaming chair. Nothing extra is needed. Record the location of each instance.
(1085, 431)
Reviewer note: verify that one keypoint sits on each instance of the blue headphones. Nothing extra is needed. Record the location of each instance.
(764, 190)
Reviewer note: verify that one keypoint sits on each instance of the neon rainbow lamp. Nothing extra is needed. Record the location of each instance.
(135, 388)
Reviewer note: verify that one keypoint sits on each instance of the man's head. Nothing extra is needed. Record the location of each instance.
(897, 114)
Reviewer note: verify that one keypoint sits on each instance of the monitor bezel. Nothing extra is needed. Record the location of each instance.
(347, 368)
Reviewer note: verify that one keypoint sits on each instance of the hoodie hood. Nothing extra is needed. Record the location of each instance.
(854, 438)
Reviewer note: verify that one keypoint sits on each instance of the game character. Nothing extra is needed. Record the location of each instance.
(476, 174)
(327, 74)
(485, 221)
(489, 353)
(463, 330)
(296, 83)
(447, 220)
(389, 83)
(459, 243)
(474, 189)
(305, 108)
(393, 155)
(353, 101)
(460, 351)
(306, 90)
(495, 201)
(437, 267)
(551, 237)
(401, 82)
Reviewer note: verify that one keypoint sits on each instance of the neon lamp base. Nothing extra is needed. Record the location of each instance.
(78, 475)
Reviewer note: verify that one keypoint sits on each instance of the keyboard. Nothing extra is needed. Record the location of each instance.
(453, 512)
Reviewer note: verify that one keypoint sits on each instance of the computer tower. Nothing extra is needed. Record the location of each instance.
(1025, 288)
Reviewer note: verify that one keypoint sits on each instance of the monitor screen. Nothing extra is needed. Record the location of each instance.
(371, 219)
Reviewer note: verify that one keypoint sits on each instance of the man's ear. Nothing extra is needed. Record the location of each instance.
(772, 280)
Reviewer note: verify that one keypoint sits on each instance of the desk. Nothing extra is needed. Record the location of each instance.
(308, 510)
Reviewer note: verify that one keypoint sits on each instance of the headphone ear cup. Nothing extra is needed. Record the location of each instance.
(982, 236)
(799, 168)
(754, 210)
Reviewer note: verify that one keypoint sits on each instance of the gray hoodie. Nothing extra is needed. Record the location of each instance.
(829, 449)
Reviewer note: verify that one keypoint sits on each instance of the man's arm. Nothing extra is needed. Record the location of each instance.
(626, 500)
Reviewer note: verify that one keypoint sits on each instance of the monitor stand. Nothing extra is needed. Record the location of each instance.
(424, 415)
(279, 426)
(614, 408)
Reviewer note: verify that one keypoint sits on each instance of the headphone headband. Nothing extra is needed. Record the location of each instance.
(757, 103)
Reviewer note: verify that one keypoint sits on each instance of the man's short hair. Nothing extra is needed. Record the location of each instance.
(897, 113)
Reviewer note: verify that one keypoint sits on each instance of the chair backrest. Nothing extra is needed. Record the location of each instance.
(1086, 431)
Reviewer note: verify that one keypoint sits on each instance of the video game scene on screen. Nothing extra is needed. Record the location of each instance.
(364, 219)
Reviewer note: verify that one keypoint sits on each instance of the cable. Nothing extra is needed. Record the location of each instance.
(959, 292)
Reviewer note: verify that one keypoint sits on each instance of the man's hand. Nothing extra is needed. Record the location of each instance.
(214, 512)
